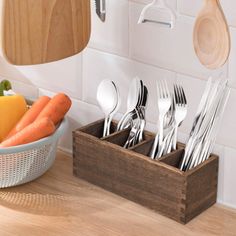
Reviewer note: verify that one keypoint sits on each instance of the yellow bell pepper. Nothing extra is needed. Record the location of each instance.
(12, 108)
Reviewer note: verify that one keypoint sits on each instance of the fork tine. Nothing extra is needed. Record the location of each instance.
(158, 90)
(180, 95)
(162, 90)
(176, 94)
(173, 96)
(157, 87)
(184, 97)
(167, 90)
(173, 100)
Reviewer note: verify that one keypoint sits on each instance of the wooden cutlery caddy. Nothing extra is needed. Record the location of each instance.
(156, 184)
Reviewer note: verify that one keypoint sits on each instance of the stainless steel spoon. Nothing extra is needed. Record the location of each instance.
(114, 111)
(107, 99)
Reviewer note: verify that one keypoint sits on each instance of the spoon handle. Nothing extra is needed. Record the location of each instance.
(108, 130)
(105, 126)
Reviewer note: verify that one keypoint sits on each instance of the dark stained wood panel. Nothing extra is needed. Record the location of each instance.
(158, 185)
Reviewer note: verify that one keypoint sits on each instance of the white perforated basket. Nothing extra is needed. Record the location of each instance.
(22, 164)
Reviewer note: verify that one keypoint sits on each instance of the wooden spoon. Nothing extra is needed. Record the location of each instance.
(211, 37)
(41, 31)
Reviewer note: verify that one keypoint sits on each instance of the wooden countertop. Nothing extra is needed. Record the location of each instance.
(60, 204)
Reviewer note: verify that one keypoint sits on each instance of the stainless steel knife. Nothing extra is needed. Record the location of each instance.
(101, 9)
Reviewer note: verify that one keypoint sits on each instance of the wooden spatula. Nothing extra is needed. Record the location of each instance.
(211, 36)
(41, 31)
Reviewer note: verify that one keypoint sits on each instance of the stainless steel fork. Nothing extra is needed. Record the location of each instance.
(164, 103)
(180, 111)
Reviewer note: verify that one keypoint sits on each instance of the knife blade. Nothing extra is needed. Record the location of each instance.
(101, 9)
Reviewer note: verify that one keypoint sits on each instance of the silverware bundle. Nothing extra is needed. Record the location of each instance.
(109, 101)
(172, 112)
(206, 124)
(134, 118)
(172, 107)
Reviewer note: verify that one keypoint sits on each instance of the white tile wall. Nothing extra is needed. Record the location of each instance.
(120, 50)
(122, 71)
(113, 36)
(64, 75)
(170, 49)
(191, 8)
(229, 183)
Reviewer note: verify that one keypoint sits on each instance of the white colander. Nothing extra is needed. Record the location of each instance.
(22, 164)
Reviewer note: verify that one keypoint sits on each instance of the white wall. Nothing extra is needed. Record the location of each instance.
(120, 49)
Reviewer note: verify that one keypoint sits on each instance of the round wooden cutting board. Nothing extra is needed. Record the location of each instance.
(41, 31)
(211, 36)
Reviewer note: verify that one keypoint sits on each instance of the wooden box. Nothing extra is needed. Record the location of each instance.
(156, 184)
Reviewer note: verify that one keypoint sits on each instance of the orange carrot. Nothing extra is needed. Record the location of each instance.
(33, 132)
(57, 108)
(30, 115)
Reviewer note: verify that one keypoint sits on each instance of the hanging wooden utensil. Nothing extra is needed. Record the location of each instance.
(41, 31)
(211, 35)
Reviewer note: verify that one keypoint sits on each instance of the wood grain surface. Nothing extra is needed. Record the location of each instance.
(158, 185)
(211, 35)
(58, 204)
(41, 31)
